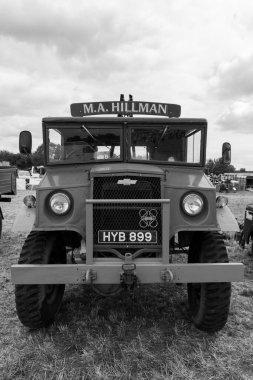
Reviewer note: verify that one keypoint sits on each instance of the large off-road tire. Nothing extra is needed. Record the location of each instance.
(208, 302)
(37, 304)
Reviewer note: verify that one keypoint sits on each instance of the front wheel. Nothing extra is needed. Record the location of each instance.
(208, 302)
(37, 304)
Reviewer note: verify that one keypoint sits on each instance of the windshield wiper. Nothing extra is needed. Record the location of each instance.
(163, 134)
(94, 138)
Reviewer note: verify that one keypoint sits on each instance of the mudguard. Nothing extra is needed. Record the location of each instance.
(24, 220)
(226, 220)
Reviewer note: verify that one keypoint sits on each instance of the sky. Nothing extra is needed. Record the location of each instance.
(196, 53)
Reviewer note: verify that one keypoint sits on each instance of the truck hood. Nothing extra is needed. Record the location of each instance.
(192, 179)
(65, 176)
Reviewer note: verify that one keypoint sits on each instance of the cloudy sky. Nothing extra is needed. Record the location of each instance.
(196, 53)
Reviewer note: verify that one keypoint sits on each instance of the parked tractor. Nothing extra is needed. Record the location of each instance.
(124, 193)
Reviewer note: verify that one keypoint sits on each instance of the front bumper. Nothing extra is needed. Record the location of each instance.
(109, 273)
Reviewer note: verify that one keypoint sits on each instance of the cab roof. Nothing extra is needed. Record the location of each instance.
(125, 120)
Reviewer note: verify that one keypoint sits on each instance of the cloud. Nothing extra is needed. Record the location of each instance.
(87, 30)
(11, 126)
(54, 53)
(238, 117)
(232, 85)
(233, 79)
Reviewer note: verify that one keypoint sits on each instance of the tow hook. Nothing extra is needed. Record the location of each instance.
(128, 278)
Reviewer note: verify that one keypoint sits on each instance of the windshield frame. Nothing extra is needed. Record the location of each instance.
(125, 124)
(198, 126)
(47, 126)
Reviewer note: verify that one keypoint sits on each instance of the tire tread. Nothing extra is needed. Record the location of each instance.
(28, 304)
(208, 247)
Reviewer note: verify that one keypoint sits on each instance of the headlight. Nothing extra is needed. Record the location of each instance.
(192, 204)
(60, 203)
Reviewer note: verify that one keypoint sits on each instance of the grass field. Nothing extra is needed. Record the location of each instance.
(147, 335)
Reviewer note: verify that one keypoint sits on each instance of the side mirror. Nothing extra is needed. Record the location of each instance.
(25, 142)
(226, 153)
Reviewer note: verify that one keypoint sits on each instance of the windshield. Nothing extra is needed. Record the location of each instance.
(166, 144)
(82, 143)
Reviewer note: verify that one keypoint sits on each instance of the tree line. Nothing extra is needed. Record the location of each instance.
(216, 166)
(24, 162)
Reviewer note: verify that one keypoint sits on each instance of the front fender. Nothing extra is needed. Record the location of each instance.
(25, 219)
(226, 220)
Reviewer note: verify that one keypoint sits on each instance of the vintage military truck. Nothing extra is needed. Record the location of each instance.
(122, 195)
(8, 186)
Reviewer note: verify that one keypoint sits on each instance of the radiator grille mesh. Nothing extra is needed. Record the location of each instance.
(128, 216)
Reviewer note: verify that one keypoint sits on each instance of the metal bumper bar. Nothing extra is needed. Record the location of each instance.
(109, 273)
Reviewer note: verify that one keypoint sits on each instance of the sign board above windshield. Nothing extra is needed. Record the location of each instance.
(125, 108)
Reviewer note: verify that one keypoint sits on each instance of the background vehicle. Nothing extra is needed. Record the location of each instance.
(37, 171)
(24, 174)
(8, 187)
(120, 198)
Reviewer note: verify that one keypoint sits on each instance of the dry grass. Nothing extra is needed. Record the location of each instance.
(147, 335)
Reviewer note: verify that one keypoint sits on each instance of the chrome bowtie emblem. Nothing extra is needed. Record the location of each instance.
(148, 218)
(127, 181)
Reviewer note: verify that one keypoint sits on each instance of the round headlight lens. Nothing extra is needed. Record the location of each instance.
(59, 203)
(192, 204)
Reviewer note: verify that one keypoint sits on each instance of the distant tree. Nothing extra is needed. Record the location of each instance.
(242, 170)
(216, 166)
(38, 156)
(23, 162)
(5, 155)
(16, 159)
(54, 151)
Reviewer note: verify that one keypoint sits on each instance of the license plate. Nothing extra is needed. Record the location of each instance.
(129, 237)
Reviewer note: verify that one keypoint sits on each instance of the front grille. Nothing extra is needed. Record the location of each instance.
(144, 188)
(135, 217)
